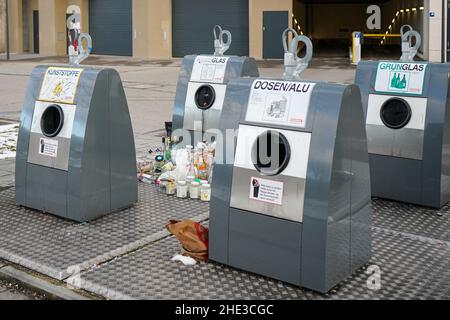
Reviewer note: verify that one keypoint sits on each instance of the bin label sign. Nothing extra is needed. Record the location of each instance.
(281, 102)
(209, 69)
(405, 78)
(48, 147)
(60, 85)
(266, 190)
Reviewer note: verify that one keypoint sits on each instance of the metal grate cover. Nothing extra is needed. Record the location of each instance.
(410, 269)
(60, 248)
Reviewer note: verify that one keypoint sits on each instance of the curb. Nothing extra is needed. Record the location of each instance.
(29, 281)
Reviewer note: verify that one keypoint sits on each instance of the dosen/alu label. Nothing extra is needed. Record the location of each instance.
(209, 69)
(280, 102)
(60, 85)
(398, 77)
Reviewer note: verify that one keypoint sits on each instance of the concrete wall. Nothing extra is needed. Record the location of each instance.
(152, 29)
(432, 31)
(2, 27)
(15, 26)
(30, 6)
(256, 8)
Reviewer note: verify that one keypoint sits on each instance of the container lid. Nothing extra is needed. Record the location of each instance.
(181, 183)
(195, 184)
(206, 185)
(202, 182)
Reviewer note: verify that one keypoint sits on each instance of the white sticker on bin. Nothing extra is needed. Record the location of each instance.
(48, 147)
(264, 190)
(398, 77)
(60, 85)
(279, 102)
(209, 69)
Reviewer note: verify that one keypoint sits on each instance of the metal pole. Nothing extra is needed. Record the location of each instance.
(7, 30)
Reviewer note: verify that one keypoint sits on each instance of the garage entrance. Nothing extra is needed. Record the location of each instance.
(110, 26)
(192, 30)
(330, 23)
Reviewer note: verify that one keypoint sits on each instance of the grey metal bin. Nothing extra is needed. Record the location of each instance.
(201, 88)
(293, 201)
(75, 154)
(408, 128)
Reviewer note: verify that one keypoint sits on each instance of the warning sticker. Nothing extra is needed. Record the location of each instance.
(282, 102)
(398, 77)
(209, 69)
(48, 147)
(266, 190)
(60, 85)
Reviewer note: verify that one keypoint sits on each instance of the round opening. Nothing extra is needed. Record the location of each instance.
(395, 113)
(52, 120)
(271, 153)
(205, 97)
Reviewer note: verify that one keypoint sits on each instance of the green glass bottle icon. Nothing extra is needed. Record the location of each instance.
(402, 84)
(393, 81)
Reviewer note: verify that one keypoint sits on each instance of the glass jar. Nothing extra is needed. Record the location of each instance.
(170, 187)
(205, 192)
(194, 190)
(182, 189)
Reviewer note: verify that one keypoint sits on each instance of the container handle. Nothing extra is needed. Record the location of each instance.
(408, 51)
(220, 45)
(77, 53)
(294, 65)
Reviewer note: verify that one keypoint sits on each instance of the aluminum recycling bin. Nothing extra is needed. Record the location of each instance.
(292, 200)
(201, 89)
(408, 130)
(76, 156)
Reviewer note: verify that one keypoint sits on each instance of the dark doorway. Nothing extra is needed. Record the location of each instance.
(36, 31)
(274, 23)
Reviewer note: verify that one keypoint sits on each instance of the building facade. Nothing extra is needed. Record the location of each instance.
(162, 29)
(153, 29)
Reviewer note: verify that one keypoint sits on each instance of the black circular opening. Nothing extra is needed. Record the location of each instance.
(395, 113)
(52, 120)
(271, 153)
(205, 97)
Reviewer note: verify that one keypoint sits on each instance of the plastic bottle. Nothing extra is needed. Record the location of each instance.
(194, 190)
(182, 189)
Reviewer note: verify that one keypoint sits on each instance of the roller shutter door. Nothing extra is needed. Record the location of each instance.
(193, 22)
(110, 26)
